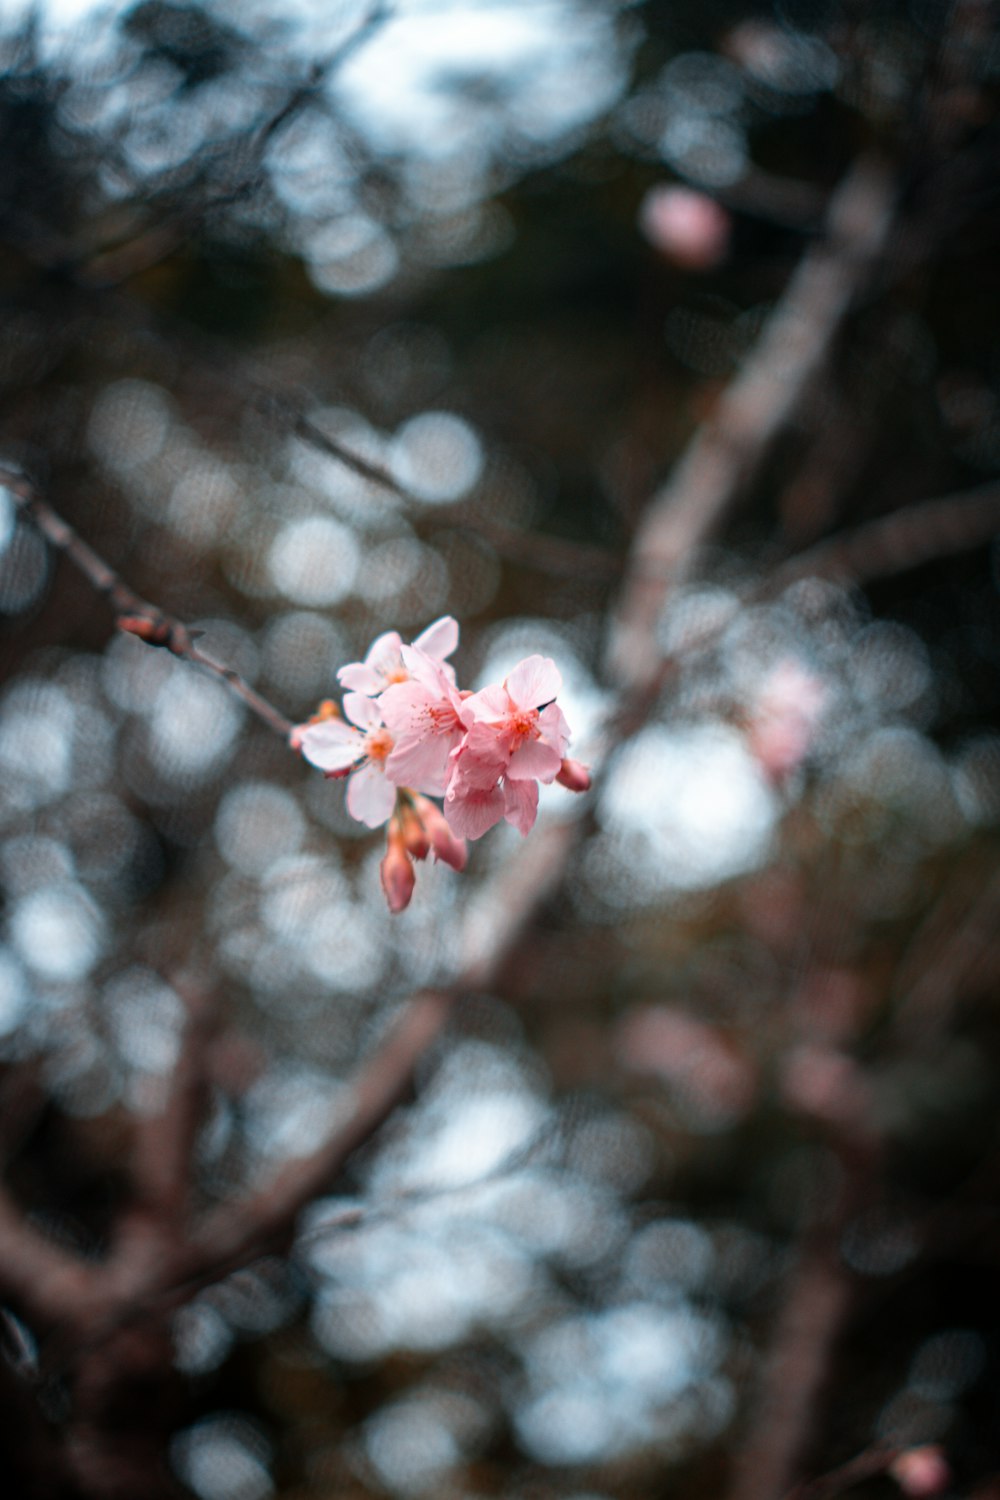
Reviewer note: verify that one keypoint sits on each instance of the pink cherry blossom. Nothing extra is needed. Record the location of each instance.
(360, 747)
(515, 738)
(424, 718)
(384, 664)
(525, 731)
(479, 797)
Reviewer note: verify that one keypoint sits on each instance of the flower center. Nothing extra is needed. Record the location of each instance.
(522, 723)
(378, 743)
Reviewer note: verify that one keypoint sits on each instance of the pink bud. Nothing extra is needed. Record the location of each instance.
(327, 710)
(687, 227)
(573, 776)
(922, 1472)
(396, 871)
(411, 826)
(446, 845)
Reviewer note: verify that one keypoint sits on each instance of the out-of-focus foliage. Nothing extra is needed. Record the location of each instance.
(429, 233)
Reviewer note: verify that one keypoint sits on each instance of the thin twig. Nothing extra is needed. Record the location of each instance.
(164, 1142)
(132, 613)
(865, 1465)
(48, 1283)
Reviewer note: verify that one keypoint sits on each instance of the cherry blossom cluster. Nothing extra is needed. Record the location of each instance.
(407, 733)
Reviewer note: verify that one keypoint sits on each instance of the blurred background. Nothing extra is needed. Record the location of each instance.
(698, 1195)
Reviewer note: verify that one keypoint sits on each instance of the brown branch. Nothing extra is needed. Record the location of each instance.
(111, 265)
(905, 539)
(135, 1286)
(727, 452)
(49, 1284)
(816, 1305)
(133, 613)
(865, 1465)
(164, 1142)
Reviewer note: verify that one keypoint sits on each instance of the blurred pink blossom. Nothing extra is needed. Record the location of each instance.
(922, 1471)
(687, 227)
(785, 716)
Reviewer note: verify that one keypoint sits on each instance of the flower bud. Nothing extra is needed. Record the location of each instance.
(687, 227)
(154, 631)
(922, 1471)
(573, 776)
(326, 710)
(446, 845)
(411, 826)
(396, 871)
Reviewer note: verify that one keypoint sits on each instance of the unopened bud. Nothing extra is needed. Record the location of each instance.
(921, 1472)
(446, 845)
(326, 710)
(686, 226)
(573, 776)
(396, 871)
(418, 845)
(149, 629)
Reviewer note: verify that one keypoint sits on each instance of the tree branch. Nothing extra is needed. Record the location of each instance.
(133, 613)
(727, 452)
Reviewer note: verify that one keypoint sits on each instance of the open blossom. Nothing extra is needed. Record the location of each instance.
(516, 737)
(424, 716)
(360, 747)
(385, 664)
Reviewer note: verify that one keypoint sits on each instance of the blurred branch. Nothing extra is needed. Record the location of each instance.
(243, 1229)
(905, 539)
(111, 265)
(815, 1307)
(164, 1140)
(132, 613)
(278, 408)
(727, 452)
(50, 1284)
(949, 951)
(874, 1460)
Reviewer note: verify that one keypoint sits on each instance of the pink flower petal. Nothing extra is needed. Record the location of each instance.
(491, 705)
(534, 681)
(420, 763)
(402, 705)
(440, 639)
(521, 804)
(383, 653)
(360, 679)
(475, 812)
(554, 728)
(361, 710)
(481, 758)
(379, 666)
(437, 676)
(534, 761)
(370, 797)
(331, 745)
